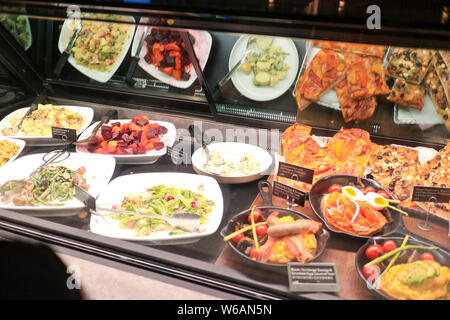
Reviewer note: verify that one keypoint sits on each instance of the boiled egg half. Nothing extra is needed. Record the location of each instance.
(376, 201)
(353, 193)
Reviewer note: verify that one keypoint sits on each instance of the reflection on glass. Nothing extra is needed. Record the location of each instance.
(19, 27)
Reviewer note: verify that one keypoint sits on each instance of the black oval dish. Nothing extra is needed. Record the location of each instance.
(442, 255)
(321, 187)
(322, 236)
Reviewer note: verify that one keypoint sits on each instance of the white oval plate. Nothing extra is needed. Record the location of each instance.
(138, 183)
(99, 171)
(202, 48)
(86, 112)
(150, 157)
(233, 149)
(20, 143)
(100, 76)
(244, 83)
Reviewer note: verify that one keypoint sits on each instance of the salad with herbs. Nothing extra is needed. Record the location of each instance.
(163, 201)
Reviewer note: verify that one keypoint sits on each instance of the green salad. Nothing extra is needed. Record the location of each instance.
(163, 201)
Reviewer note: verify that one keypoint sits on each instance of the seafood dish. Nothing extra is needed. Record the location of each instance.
(161, 200)
(355, 211)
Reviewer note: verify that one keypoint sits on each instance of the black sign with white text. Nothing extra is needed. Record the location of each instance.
(289, 193)
(313, 277)
(431, 194)
(65, 134)
(294, 172)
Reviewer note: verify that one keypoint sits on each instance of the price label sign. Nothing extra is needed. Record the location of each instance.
(313, 277)
(294, 172)
(64, 134)
(431, 194)
(289, 193)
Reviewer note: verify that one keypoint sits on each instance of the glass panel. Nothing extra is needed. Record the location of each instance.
(103, 55)
(265, 84)
(10, 90)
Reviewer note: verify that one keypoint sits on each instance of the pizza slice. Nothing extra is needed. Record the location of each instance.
(360, 48)
(435, 173)
(365, 76)
(437, 94)
(324, 71)
(407, 94)
(396, 169)
(443, 72)
(353, 109)
(300, 148)
(351, 149)
(409, 64)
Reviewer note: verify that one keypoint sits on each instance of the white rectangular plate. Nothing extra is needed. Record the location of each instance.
(138, 183)
(86, 112)
(148, 158)
(100, 76)
(99, 171)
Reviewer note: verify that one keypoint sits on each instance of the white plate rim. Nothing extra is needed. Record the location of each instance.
(215, 218)
(100, 76)
(276, 93)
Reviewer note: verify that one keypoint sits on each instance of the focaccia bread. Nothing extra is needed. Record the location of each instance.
(395, 168)
(360, 48)
(443, 72)
(365, 76)
(435, 173)
(407, 94)
(409, 64)
(436, 91)
(353, 109)
(324, 71)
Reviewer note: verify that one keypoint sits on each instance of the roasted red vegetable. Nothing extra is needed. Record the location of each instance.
(135, 137)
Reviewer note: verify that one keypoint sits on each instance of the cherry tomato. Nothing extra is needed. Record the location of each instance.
(371, 272)
(261, 230)
(253, 253)
(238, 237)
(389, 245)
(427, 256)
(256, 214)
(384, 194)
(335, 188)
(369, 189)
(373, 251)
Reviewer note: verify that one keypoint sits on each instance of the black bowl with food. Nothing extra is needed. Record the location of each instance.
(414, 273)
(357, 213)
(277, 240)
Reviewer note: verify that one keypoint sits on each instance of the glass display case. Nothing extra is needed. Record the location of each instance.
(241, 118)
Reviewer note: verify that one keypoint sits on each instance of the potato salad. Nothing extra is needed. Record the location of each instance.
(266, 63)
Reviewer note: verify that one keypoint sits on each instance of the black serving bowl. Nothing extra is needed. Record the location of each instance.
(320, 188)
(322, 236)
(442, 255)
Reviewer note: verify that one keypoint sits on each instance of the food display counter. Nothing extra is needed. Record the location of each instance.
(265, 157)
